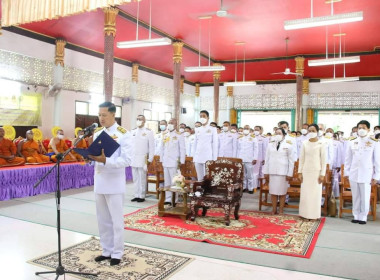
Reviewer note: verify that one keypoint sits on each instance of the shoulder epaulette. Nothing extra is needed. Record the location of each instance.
(253, 135)
(353, 138)
(179, 133)
(122, 129)
(374, 139)
(241, 136)
(98, 129)
(289, 142)
(291, 135)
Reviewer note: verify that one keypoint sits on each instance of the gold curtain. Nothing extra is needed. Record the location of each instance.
(15, 12)
(233, 116)
(309, 116)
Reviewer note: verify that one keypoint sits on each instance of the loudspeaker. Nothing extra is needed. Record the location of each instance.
(183, 110)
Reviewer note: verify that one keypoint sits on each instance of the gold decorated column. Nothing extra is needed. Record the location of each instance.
(135, 72)
(60, 52)
(216, 93)
(300, 61)
(110, 14)
(182, 84)
(177, 59)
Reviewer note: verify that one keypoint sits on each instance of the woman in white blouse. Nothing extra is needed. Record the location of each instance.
(278, 168)
(311, 172)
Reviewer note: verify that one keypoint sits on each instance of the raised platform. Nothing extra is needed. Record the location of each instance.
(18, 181)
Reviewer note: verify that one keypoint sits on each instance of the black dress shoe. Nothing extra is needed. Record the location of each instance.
(362, 222)
(245, 190)
(114, 261)
(168, 203)
(251, 192)
(135, 199)
(101, 258)
(354, 221)
(141, 200)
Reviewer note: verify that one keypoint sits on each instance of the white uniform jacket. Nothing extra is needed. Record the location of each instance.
(299, 141)
(290, 139)
(247, 148)
(157, 142)
(337, 151)
(279, 162)
(110, 177)
(173, 149)
(262, 142)
(143, 146)
(227, 144)
(362, 160)
(329, 150)
(205, 144)
(189, 144)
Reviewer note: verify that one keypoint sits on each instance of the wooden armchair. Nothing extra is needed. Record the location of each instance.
(326, 192)
(155, 175)
(188, 171)
(226, 188)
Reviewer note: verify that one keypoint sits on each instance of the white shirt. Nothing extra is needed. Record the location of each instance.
(227, 144)
(205, 144)
(299, 141)
(173, 149)
(329, 150)
(337, 151)
(262, 142)
(143, 146)
(247, 148)
(189, 144)
(290, 139)
(157, 142)
(279, 162)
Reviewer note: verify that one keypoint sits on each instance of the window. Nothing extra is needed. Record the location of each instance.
(147, 114)
(266, 119)
(87, 113)
(81, 108)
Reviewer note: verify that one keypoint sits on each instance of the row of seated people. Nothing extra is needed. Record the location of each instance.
(30, 151)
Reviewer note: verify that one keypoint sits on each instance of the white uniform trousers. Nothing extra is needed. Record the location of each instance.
(169, 173)
(139, 180)
(109, 210)
(257, 173)
(201, 170)
(361, 193)
(248, 176)
(335, 183)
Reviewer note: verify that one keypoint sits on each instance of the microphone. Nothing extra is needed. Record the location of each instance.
(91, 127)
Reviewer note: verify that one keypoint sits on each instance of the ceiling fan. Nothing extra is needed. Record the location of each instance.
(222, 12)
(287, 69)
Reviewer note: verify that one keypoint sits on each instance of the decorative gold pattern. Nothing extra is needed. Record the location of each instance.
(309, 116)
(54, 130)
(177, 52)
(60, 52)
(217, 74)
(110, 14)
(197, 89)
(305, 86)
(10, 132)
(230, 91)
(300, 64)
(135, 72)
(37, 134)
(181, 84)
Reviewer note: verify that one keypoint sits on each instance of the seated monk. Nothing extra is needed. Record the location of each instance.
(82, 144)
(58, 146)
(8, 152)
(31, 150)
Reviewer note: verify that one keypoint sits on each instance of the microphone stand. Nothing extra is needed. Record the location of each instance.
(60, 270)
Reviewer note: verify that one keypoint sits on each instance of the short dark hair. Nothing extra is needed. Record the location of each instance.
(234, 125)
(226, 122)
(183, 124)
(188, 127)
(214, 123)
(314, 125)
(111, 107)
(218, 127)
(199, 123)
(282, 130)
(283, 122)
(366, 123)
(377, 126)
(164, 121)
(259, 126)
(353, 128)
(204, 111)
(377, 136)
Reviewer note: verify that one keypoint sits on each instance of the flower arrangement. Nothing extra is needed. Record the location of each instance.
(179, 180)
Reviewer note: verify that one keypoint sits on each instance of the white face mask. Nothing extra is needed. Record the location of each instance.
(257, 133)
(139, 123)
(320, 133)
(376, 132)
(170, 127)
(186, 134)
(246, 131)
(225, 128)
(203, 120)
(354, 134)
(60, 136)
(304, 131)
(362, 132)
(162, 127)
(313, 134)
(181, 130)
(278, 138)
(329, 134)
(233, 130)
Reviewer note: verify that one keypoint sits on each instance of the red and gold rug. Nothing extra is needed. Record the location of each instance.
(258, 231)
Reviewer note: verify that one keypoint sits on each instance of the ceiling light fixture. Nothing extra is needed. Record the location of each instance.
(241, 83)
(210, 67)
(324, 20)
(147, 42)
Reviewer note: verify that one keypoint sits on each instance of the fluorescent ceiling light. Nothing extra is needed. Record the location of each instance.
(144, 43)
(338, 80)
(205, 68)
(333, 61)
(239, 84)
(322, 21)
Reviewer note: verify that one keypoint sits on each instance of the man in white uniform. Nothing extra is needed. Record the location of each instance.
(302, 138)
(109, 186)
(158, 137)
(248, 152)
(143, 152)
(172, 154)
(227, 142)
(289, 138)
(327, 137)
(205, 145)
(361, 165)
(262, 142)
(189, 141)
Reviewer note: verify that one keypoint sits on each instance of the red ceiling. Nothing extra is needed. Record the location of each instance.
(259, 23)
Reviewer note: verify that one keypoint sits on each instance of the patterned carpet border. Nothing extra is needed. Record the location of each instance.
(308, 231)
(137, 263)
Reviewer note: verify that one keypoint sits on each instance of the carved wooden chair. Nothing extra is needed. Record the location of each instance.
(226, 188)
(188, 171)
(155, 175)
(326, 192)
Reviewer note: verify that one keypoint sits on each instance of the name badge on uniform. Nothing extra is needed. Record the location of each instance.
(368, 144)
(144, 134)
(175, 138)
(208, 131)
(250, 139)
(114, 137)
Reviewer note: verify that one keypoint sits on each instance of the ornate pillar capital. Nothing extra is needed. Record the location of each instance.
(230, 91)
(177, 52)
(60, 52)
(110, 14)
(305, 86)
(135, 72)
(216, 74)
(197, 89)
(300, 64)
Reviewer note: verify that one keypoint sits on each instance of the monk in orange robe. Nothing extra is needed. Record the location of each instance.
(58, 146)
(8, 152)
(31, 150)
(82, 144)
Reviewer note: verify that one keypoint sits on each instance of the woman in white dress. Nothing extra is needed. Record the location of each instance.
(278, 168)
(311, 172)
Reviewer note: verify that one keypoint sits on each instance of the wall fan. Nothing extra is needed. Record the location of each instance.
(287, 69)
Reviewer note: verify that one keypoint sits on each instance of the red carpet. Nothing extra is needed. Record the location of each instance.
(258, 231)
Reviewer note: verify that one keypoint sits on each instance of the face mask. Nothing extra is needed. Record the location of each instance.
(304, 131)
(320, 133)
(181, 130)
(60, 136)
(329, 134)
(186, 134)
(257, 133)
(170, 127)
(355, 134)
(233, 130)
(376, 132)
(162, 127)
(246, 131)
(362, 132)
(278, 138)
(313, 134)
(203, 120)
(225, 128)
(138, 123)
